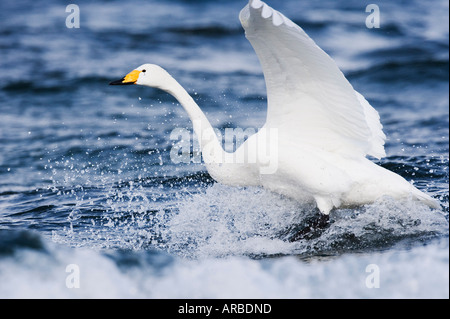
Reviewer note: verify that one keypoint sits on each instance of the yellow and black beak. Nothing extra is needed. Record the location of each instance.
(130, 78)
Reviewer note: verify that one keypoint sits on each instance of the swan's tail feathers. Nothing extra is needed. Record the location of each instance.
(426, 199)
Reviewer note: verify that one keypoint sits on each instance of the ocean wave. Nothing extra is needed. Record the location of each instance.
(408, 71)
(33, 267)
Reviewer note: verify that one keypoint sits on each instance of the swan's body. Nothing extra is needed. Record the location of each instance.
(318, 131)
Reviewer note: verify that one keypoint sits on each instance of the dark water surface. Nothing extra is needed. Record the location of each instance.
(86, 177)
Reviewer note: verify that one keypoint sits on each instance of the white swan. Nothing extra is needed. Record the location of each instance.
(318, 131)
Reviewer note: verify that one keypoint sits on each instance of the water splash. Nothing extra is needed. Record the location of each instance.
(219, 221)
(251, 221)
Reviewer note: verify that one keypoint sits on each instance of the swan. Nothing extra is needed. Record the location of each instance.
(319, 131)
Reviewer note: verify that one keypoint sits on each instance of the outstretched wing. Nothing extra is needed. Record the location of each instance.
(309, 99)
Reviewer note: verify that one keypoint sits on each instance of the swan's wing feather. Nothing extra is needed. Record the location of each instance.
(309, 99)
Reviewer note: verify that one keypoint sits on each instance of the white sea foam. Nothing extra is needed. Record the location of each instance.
(420, 272)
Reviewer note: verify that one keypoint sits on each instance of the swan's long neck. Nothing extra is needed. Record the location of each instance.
(210, 145)
(221, 165)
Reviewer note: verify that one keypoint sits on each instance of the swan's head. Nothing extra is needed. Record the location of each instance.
(147, 74)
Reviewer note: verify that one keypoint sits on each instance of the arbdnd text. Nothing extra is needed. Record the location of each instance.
(246, 308)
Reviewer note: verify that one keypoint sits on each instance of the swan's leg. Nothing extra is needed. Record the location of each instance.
(325, 205)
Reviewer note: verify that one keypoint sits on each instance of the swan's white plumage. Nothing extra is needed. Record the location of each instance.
(324, 128)
(309, 99)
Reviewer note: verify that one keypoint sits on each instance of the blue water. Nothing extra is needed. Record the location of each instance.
(86, 177)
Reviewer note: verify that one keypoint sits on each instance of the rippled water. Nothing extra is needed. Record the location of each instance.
(86, 176)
